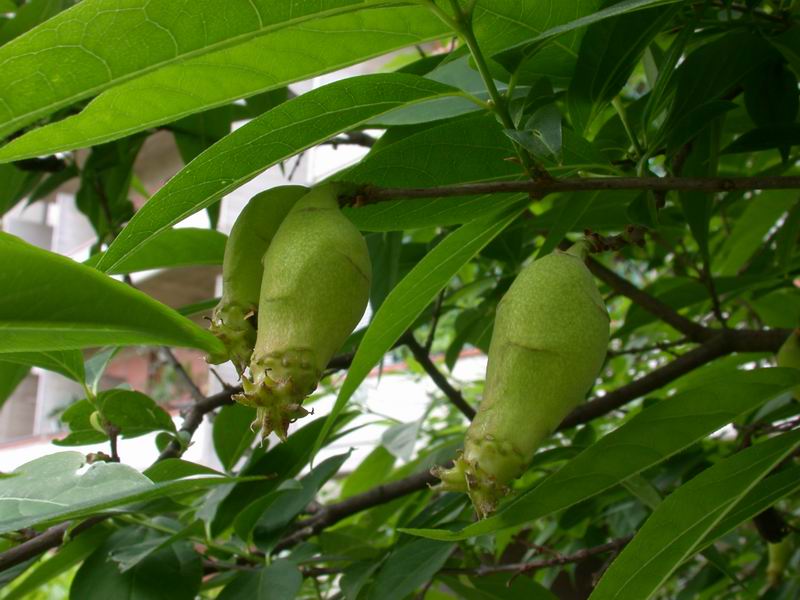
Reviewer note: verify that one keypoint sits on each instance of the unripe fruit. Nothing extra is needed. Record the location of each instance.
(242, 270)
(789, 356)
(314, 292)
(549, 342)
(779, 555)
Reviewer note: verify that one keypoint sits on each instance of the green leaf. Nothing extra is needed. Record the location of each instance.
(656, 433)
(684, 518)
(609, 52)
(53, 303)
(265, 63)
(788, 43)
(29, 15)
(373, 470)
(573, 207)
(52, 182)
(96, 366)
(199, 131)
(247, 518)
(541, 135)
(68, 363)
(156, 34)
(132, 413)
(410, 297)
(503, 24)
(282, 462)
(278, 134)
(233, 433)
(682, 292)
(408, 567)
(663, 87)
(499, 586)
(11, 375)
(692, 123)
(50, 489)
(105, 181)
(16, 184)
(462, 150)
(765, 494)
(708, 74)
(70, 554)
(267, 530)
(128, 557)
(530, 46)
(760, 215)
(171, 469)
(765, 138)
(198, 307)
(171, 573)
(181, 247)
(281, 580)
(770, 94)
(780, 308)
(51, 483)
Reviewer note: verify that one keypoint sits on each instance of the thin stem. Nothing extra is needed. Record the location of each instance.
(437, 313)
(540, 188)
(195, 391)
(461, 23)
(661, 347)
(527, 567)
(651, 304)
(716, 305)
(113, 436)
(422, 357)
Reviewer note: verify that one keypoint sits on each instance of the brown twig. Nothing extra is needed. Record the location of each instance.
(333, 513)
(43, 542)
(197, 395)
(661, 347)
(722, 343)
(541, 187)
(652, 381)
(113, 438)
(528, 567)
(194, 417)
(651, 304)
(422, 357)
(437, 313)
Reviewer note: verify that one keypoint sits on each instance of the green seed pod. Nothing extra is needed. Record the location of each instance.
(789, 356)
(242, 271)
(548, 345)
(315, 289)
(779, 555)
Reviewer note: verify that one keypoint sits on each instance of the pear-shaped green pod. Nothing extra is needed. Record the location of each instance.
(242, 271)
(789, 356)
(778, 557)
(314, 292)
(548, 345)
